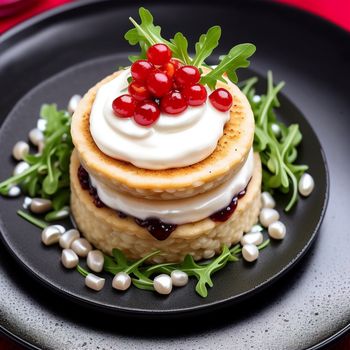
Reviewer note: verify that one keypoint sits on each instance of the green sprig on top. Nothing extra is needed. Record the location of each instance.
(146, 34)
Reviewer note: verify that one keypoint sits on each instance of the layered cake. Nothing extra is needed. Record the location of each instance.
(168, 167)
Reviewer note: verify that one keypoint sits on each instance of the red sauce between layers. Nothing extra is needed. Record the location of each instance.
(157, 228)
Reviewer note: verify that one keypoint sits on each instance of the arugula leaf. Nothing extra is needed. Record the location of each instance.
(236, 58)
(180, 48)
(277, 154)
(147, 34)
(206, 44)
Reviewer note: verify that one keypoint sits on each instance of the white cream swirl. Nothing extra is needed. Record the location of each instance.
(171, 142)
(178, 211)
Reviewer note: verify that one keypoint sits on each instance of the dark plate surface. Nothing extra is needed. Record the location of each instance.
(310, 301)
(235, 282)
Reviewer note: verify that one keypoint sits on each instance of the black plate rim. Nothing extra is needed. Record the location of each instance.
(194, 310)
(35, 20)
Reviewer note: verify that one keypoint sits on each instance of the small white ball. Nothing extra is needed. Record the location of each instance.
(94, 282)
(268, 216)
(256, 98)
(14, 191)
(277, 230)
(61, 229)
(179, 278)
(255, 238)
(256, 228)
(250, 252)
(26, 202)
(20, 149)
(73, 103)
(50, 235)
(40, 205)
(267, 200)
(163, 284)
(82, 247)
(36, 136)
(69, 259)
(68, 238)
(121, 281)
(276, 129)
(41, 124)
(95, 260)
(20, 168)
(306, 184)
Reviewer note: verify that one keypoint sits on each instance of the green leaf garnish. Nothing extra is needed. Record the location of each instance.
(206, 44)
(33, 220)
(201, 271)
(48, 174)
(147, 34)
(236, 58)
(277, 153)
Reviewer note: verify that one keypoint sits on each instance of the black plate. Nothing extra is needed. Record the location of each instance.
(235, 282)
(92, 31)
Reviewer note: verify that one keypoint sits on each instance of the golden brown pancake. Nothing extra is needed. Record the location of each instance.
(202, 239)
(228, 157)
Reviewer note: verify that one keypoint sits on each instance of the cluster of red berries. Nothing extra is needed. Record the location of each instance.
(162, 83)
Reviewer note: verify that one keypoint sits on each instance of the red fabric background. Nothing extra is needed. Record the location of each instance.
(336, 11)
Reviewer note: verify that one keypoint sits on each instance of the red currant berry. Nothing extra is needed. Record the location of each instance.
(221, 99)
(141, 69)
(158, 83)
(195, 95)
(187, 75)
(159, 54)
(138, 91)
(124, 106)
(146, 113)
(168, 69)
(177, 64)
(173, 103)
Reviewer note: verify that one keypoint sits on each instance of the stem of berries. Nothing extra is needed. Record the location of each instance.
(163, 84)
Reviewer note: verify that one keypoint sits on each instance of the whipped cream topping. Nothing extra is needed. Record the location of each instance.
(171, 142)
(178, 211)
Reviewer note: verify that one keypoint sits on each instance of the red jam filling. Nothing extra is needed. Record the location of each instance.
(157, 228)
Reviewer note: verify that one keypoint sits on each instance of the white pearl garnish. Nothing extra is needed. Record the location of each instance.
(40, 205)
(275, 128)
(95, 260)
(256, 228)
(73, 103)
(121, 281)
(277, 230)
(14, 191)
(26, 202)
(268, 216)
(36, 136)
(179, 278)
(250, 252)
(69, 259)
(255, 238)
(20, 149)
(50, 235)
(81, 246)
(41, 124)
(68, 238)
(163, 284)
(306, 184)
(267, 200)
(256, 98)
(20, 168)
(94, 282)
(61, 228)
